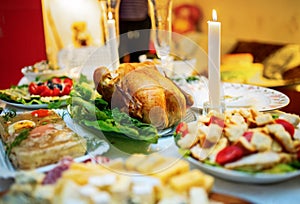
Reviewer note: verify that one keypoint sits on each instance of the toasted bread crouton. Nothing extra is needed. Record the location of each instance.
(264, 119)
(292, 118)
(261, 142)
(200, 153)
(276, 147)
(246, 145)
(214, 133)
(254, 112)
(234, 132)
(245, 113)
(188, 140)
(237, 120)
(282, 136)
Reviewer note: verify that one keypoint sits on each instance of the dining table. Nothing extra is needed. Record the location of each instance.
(228, 191)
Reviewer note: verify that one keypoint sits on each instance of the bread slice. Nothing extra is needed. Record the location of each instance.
(47, 140)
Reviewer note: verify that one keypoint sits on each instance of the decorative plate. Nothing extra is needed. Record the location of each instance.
(239, 96)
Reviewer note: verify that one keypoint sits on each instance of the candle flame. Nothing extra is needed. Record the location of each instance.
(214, 15)
(110, 15)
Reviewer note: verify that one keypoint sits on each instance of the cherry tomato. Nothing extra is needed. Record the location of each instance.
(182, 129)
(68, 81)
(248, 135)
(217, 121)
(41, 88)
(229, 154)
(54, 87)
(56, 80)
(56, 92)
(47, 92)
(33, 88)
(66, 90)
(40, 113)
(287, 126)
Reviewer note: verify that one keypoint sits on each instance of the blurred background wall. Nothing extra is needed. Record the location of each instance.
(264, 20)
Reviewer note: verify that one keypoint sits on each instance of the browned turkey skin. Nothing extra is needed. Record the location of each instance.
(140, 90)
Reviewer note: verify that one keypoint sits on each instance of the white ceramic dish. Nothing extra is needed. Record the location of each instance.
(242, 177)
(7, 169)
(31, 76)
(20, 105)
(239, 96)
(32, 106)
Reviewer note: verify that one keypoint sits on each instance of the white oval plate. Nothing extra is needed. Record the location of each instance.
(242, 177)
(239, 96)
(20, 105)
(32, 106)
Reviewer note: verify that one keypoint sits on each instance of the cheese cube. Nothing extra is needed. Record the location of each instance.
(133, 161)
(149, 163)
(171, 168)
(184, 182)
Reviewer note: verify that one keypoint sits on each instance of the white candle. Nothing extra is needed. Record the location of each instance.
(214, 52)
(112, 42)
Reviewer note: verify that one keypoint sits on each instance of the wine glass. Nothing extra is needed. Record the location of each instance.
(161, 20)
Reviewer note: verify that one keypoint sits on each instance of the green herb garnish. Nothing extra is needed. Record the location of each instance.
(275, 116)
(17, 141)
(55, 104)
(192, 78)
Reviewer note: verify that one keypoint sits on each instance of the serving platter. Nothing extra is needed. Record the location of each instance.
(20, 105)
(243, 177)
(238, 95)
(26, 96)
(31, 106)
(7, 169)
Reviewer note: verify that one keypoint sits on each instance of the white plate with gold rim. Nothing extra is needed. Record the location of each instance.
(237, 95)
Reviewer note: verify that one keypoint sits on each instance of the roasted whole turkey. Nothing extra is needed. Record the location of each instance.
(140, 90)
